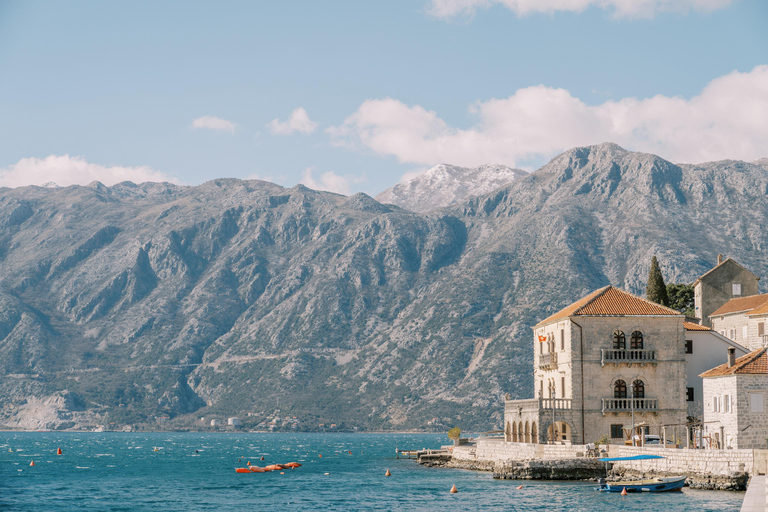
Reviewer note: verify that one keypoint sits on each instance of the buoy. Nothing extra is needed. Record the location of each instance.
(248, 463)
(321, 455)
(454, 489)
(519, 487)
(623, 491)
(350, 452)
(257, 469)
(326, 474)
(242, 470)
(58, 451)
(262, 457)
(292, 465)
(387, 473)
(282, 472)
(32, 463)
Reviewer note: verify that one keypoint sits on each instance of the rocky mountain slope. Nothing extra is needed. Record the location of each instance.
(443, 185)
(152, 301)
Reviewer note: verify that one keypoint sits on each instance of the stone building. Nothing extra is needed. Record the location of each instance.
(598, 362)
(735, 412)
(724, 282)
(743, 320)
(704, 349)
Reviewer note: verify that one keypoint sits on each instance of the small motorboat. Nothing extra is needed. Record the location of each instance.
(663, 484)
(672, 483)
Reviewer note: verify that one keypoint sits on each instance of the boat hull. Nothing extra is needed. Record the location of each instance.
(656, 485)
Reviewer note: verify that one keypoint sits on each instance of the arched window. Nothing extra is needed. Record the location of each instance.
(620, 389)
(638, 389)
(619, 340)
(636, 340)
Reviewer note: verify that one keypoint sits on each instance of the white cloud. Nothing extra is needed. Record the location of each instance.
(65, 170)
(620, 8)
(330, 181)
(213, 123)
(729, 119)
(298, 122)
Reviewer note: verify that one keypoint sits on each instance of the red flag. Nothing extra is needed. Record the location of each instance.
(542, 339)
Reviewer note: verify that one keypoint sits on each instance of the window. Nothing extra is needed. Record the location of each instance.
(756, 402)
(617, 431)
(638, 389)
(715, 404)
(744, 333)
(727, 403)
(736, 288)
(542, 389)
(689, 394)
(689, 346)
(562, 381)
(562, 339)
(620, 389)
(733, 334)
(636, 340)
(619, 340)
(761, 328)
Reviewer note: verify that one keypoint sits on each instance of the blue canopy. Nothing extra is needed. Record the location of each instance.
(634, 457)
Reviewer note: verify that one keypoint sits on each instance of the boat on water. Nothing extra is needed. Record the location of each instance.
(664, 484)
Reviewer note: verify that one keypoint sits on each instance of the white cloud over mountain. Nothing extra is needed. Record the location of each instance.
(299, 121)
(330, 181)
(729, 119)
(213, 123)
(65, 170)
(620, 8)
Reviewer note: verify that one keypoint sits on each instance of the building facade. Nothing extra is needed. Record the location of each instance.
(735, 408)
(727, 280)
(743, 320)
(601, 363)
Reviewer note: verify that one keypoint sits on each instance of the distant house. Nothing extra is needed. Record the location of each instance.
(743, 320)
(735, 412)
(235, 422)
(598, 363)
(727, 280)
(215, 423)
(704, 349)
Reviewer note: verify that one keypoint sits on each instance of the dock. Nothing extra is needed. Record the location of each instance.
(755, 499)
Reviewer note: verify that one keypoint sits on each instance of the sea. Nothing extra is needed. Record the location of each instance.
(111, 471)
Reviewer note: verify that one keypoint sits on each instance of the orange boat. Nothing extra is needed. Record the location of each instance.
(242, 470)
(292, 465)
(274, 467)
(257, 469)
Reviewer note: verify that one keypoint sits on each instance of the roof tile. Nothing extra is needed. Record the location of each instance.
(741, 304)
(754, 362)
(690, 326)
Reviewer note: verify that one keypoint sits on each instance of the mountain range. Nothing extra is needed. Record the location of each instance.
(158, 304)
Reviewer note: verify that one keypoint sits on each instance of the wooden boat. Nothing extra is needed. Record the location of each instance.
(665, 484)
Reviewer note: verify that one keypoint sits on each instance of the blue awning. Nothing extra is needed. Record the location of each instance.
(634, 457)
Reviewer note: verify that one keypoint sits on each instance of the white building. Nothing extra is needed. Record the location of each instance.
(235, 422)
(215, 423)
(735, 412)
(704, 350)
(743, 320)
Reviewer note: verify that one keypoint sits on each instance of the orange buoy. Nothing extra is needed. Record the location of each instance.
(58, 451)
(623, 491)
(32, 463)
(257, 469)
(292, 465)
(242, 470)
(274, 467)
(248, 463)
(387, 473)
(350, 452)
(454, 489)
(321, 455)
(519, 487)
(282, 472)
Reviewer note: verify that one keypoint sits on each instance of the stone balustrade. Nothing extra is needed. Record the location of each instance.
(547, 361)
(624, 356)
(629, 404)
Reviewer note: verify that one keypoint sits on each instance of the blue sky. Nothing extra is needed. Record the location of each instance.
(111, 90)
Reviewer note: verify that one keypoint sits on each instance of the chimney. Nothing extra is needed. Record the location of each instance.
(719, 259)
(731, 356)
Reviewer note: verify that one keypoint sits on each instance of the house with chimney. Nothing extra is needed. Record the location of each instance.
(727, 280)
(602, 364)
(735, 407)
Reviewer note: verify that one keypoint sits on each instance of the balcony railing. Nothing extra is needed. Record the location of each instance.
(631, 356)
(547, 361)
(559, 404)
(629, 404)
(537, 404)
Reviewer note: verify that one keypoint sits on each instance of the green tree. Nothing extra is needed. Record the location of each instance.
(656, 291)
(681, 298)
(454, 433)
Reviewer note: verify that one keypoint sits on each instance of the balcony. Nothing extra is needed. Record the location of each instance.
(631, 356)
(548, 361)
(630, 404)
(537, 405)
(558, 404)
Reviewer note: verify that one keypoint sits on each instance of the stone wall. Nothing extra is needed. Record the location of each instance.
(497, 450)
(686, 462)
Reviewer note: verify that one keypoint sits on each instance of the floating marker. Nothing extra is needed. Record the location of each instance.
(242, 470)
(262, 457)
(321, 455)
(387, 473)
(623, 491)
(248, 463)
(350, 452)
(519, 487)
(326, 474)
(58, 451)
(32, 463)
(454, 489)
(282, 472)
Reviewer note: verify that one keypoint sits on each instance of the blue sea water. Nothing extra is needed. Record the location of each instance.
(195, 472)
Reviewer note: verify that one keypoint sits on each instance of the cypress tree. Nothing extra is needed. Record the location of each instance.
(656, 290)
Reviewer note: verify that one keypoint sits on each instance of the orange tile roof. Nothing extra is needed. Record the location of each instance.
(754, 362)
(759, 310)
(741, 304)
(611, 301)
(690, 326)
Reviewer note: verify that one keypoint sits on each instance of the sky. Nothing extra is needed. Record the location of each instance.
(352, 96)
